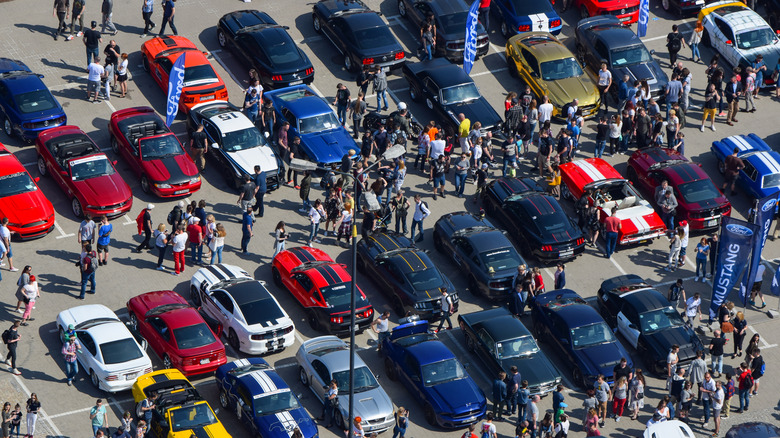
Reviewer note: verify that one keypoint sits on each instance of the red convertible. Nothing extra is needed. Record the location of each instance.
(699, 201)
(176, 332)
(83, 172)
(639, 222)
(30, 215)
(323, 288)
(201, 81)
(153, 152)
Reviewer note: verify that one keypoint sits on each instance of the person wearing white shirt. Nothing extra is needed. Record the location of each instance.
(692, 308)
(545, 112)
(437, 146)
(420, 213)
(179, 245)
(447, 309)
(605, 81)
(96, 71)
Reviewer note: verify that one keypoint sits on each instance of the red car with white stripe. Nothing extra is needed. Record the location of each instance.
(639, 222)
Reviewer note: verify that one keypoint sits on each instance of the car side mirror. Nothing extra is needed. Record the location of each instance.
(214, 145)
(62, 172)
(564, 341)
(114, 162)
(37, 178)
(729, 42)
(652, 51)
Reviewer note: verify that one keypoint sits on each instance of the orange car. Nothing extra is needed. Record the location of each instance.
(201, 82)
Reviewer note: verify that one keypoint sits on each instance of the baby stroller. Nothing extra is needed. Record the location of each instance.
(383, 216)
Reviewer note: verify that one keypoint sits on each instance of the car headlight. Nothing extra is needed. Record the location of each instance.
(195, 180)
(162, 185)
(423, 305)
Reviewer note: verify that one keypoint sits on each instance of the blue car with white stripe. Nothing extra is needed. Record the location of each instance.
(518, 16)
(261, 400)
(323, 139)
(761, 175)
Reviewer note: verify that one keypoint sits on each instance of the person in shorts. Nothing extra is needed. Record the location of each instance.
(438, 172)
(103, 240)
(95, 71)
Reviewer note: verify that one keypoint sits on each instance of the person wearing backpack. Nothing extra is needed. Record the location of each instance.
(674, 42)
(11, 340)
(746, 382)
(758, 368)
(88, 265)
(144, 224)
(488, 429)
(176, 214)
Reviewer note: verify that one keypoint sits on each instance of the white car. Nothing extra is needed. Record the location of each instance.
(109, 353)
(250, 316)
(740, 34)
(669, 429)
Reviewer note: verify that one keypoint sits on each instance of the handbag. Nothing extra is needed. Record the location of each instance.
(727, 327)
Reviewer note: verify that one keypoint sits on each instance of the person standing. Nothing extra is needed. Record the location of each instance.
(421, 212)
(380, 88)
(381, 326)
(252, 105)
(247, 225)
(341, 101)
(98, 416)
(447, 308)
(711, 99)
(316, 215)
(247, 193)
(757, 368)
(438, 174)
(718, 397)
(11, 343)
(484, 14)
(107, 10)
(642, 126)
(280, 237)
(179, 247)
(199, 145)
(612, 227)
(195, 237)
(750, 89)
(557, 400)
(33, 407)
(357, 111)
(745, 380)
(304, 191)
(169, 10)
(96, 72)
(706, 392)
(331, 404)
(732, 91)
(5, 240)
(103, 240)
(716, 351)
(694, 41)
(161, 243)
(69, 350)
(268, 119)
(692, 308)
(461, 172)
(61, 10)
(509, 159)
(92, 40)
(362, 79)
(146, 227)
(668, 204)
(31, 292)
(121, 75)
(400, 206)
(147, 7)
(740, 327)
(532, 415)
(464, 128)
(87, 263)
(696, 371)
(603, 394)
(637, 392)
(401, 422)
(261, 187)
(499, 395)
(604, 84)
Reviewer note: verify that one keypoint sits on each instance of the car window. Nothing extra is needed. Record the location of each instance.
(750, 170)
(244, 395)
(531, 60)
(591, 334)
(411, 365)
(394, 271)
(35, 101)
(160, 327)
(304, 282)
(288, 115)
(161, 146)
(90, 167)
(431, 86)
(120, 351)
(464, 246)
(771, 181)
(601, 50)
(87, 342)
(755, 38)
(165, 63)
(490, 345)
(561, 69)
(727, 32)
(211, 131)
(224, 300)
(558, 326)
(630, 313)
(193, 336)
(321, 370)
(16, 183)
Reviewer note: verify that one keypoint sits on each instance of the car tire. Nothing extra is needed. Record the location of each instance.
(429, 103)
(430, 414)
(348, 65)
(390, 369)
(414, 93)
(401, 8)
(75, 206)
(233, 340)
(224, 401)
(565, 193)
(474, 286)
(649, 362)
(145, 62)
(577, 377)
(277, 277)
(166, 361)
(221, 38)
(114, 145)
(584, 12)
(94, 379)
(8, 127)
(303, 377)
(580, 54)
(145, 186)
(721, 167)
(195, 296)
(341, 422)
(505, 29)
(133, 321)
(316, 24)
(314, 323)
(41, 166)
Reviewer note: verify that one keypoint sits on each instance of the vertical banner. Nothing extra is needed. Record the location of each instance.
(775, 289)
(765, 212)
(175, 85)
(471, 37)
(644, 17)
(736, 242)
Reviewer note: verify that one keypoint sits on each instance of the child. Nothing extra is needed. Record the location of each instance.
(554, 182)
(16, 420)
(559, 413)
(127, 421)
(589, 403)
(679, 144)
(521, 431)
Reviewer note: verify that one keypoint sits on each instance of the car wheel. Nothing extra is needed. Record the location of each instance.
(195, 296)
(316, 23)
(75, 205)
(41, 166)
(580, 52)
(303, 377)
(230, 178)
(705, 38)
(341, 421)
(437, 243)
(505, 29)
(8, 128)
(721, 167)
(145, 62)
(631, 173)
(565, 193)
(474, 287)
(399, 307)
(114, 145)
(167, 362)
(348, 63)
(429, 103)
(133, 321)
(223, 398)
(414, 93)
(390, 369)
(361, 266)
(233, 340)
(93, 377)
(401, 8)
(314, 323)
(471, 345)
(430, 415)
(221, 38)
(277, 277)
(578, 378)
(647, 358)
(145, 186)
(584, 12)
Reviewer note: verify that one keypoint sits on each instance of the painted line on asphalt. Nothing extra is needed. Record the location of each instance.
(298, 337)
(230, 72)
(482, 73)
(111, 107)
(111, 401)
(612, 259)
(128, 221)
(286, 365)
(46, 418)
(62, 232)
(764, 343)
(682, 25)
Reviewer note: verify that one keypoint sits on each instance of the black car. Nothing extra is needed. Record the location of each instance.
(483, 252)
(448, 91)
(405, 274)
(753, 430)
(262, 44)
(534, 219)
(502, 341)
(685, 7)
(772, 13)
(646, 319)
(358, 33)
(605, 38)
(450, 19)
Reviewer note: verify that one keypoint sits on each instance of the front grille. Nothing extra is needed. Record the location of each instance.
(543, 388)
(713, 212)
(112, 206)
(33, 224)
(466, 414)
(272, 181)
(376, 421)
(623, 11)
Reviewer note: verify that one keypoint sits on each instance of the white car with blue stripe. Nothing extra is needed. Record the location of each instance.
(761, 174)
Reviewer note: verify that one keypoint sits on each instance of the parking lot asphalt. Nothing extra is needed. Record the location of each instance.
(27, 35)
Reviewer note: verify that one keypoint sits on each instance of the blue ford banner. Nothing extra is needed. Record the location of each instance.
(175, 84)
(775, 289)
(471, 37)
(644, 17)
(736, 242)
(765, 212)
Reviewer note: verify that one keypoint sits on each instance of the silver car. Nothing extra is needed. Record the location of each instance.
(326, 358)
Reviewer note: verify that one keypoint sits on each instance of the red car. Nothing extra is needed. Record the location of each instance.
(323, 288)
(153, 152)
(638, 221)
(201, 81)
(83, 172)
(30, 215)
(176, 332)
(627, 11)
(699, 201)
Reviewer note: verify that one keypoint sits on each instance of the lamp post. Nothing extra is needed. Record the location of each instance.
(391, 153)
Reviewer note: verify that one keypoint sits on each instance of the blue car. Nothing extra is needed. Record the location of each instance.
(323, 139)
(761, 175)
(262, 400)
(433, 375)
(519, 16)
(564, 319)
(27, 107)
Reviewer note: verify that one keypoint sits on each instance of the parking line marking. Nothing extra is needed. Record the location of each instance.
(111, 401)
(111, 107)
(612, 259)
(62, 232)
(298, 337)
(46, 418)
(230, 72)
(764, 343)
(286, 365)
(482, 73)
(128, 221)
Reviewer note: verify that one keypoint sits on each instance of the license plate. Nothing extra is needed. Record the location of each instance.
(130, 376)
(180, 192)
(621, 19)
(566, 253)
(296, 82)
(205, 98)
(205, 361)
(711, 223)
(271, 344)
(644, 241)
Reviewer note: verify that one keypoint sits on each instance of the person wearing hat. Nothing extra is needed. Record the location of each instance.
(145, 225)
(92, 42)
(195, 237)
(357, 428)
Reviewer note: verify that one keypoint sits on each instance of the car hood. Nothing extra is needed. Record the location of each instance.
(660, 342)
(26, 207)
(601, 358)
(770, 52)
(328, 146)
(104, 190)
(261, 156)
(656, 78)
(477, 109)
(563, 91)
(370, 405)
(536, 368)
(457, 395)
(176, 169)
(281, 424)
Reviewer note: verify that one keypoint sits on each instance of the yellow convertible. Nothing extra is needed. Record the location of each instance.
(549, 68)
(179, 411)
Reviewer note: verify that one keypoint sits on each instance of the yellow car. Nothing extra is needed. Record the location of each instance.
(549, 68)
(179, 411)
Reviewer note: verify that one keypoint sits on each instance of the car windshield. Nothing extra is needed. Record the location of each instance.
(659, 319)
(698, 191)
(459, 93)
(199, 75)
(441, 372)
(160, 147)
(364, 380)
(15, 184)
(456, 23)
(242, 139)
(500, 259)
(374, 37)
(336, 294)
(260, 311)
(120, 351)
(561, 69)
(193, 336)
(35, 101)
(631, 55)
(192, 417)
(321, 122)
(425, 280)
(267, 404)
(521, 346)
(770, 181)
(283, 53)
(754, 38)
(591, 334)
(90, 168)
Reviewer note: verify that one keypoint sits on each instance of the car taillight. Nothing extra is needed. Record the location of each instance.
(288, 330)
(337, 319)
(368, 61)
(223, 95)
(580, 241)
(555, 23)
(111, 378)
(524, 28)
(368, 313)
(309, 71)
(148, 370)
(399, 55)
(547, 248)
(276, 77)
(188, 99)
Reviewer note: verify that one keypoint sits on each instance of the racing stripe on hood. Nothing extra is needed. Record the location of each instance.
(590, 170)
(264, 381)
(212, 269)
(201, 432)
(769, 161)
(287, 421)
(302, 255)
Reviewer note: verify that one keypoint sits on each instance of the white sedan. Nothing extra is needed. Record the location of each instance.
(250, 316)
(109, 353)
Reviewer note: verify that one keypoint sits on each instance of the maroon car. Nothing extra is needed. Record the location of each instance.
(83, 172)
(700, 202)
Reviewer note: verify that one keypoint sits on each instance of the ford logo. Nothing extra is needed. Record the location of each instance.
(623, 11)
(739, 229)
(770, 204)
(46, 123)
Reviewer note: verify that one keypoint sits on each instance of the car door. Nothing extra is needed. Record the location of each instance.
(244, 47)
(417, 15)
(648, 181)
(62, 177)
(304, 290)
(628, 324)
(461, 251)
(334, 29)
(600, 52)
(384, 278)
(719, 41)
(319, 378)
(87, 354)
(609, 306)
(159, 335)
(750, 179)
(412, 376)
(244, 408)
(431, 92)
(486, 348)
(221, 307)
(160, 71)
(530, 73)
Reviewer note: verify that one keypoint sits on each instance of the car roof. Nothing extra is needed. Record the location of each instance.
(343, 6)
(248, 291)
(485, 239)
(263, 381)
(430, 351)
(445, 73)
(408, 259)
(364, 20)
(609, 30)
(13, 65)
(446, 7)
(543, 45)
(537, 204)
(569, 306)
(669, 429)
(463, 219)
(643, 300)
(250, 17)
(301, 100)
(504, 327)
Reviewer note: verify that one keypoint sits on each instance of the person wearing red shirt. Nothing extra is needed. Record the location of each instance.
(195, 236)
(612, 227)
(745, 385)
(484, 14)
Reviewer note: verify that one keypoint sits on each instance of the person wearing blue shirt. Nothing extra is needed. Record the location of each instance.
(252, 105)
(247, 222)
(557, 398)
(169, 10)
(560, 276)
(499, 394)
(260, 189)
(104, 238)
(623, 91)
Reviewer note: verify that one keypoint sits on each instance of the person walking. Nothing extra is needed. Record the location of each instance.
(103, 240)
(61, 11)
(87, 264)
(33, 407)
(252, 105)
(147, 8)
(341, 102)
(693, 308)
(532, 415)
(280, 237)
(99, 417)
(694, 41)
(499, 395)
(637, 392)
(31, 293)
(92, 40)
(421, 212)
(11, 340)
(757, 368)
(674, 42)
(121, 74)
(603, 395)
(261, 187)
(24, 279)
(401, 422)
(733, 91)
(316, 215)
(169, 10)
(95, 73)
(107, 10)
(675, 243)
(447, 309)
(77, 15)
(247, 228)
(612, 227)
(199, 144)
(69, 350)
(380, 88)
(716, 351)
